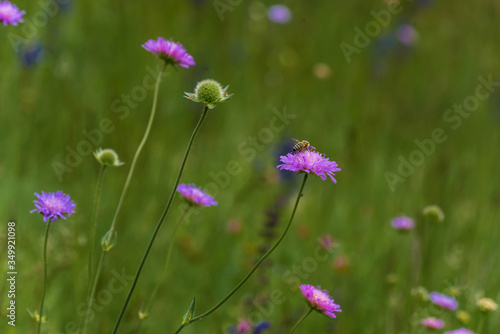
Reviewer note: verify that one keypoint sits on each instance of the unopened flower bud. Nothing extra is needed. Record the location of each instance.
(486, 305)
(433, 213)
(107, 157)
(209, 92)
(420, 293)
(463, 317)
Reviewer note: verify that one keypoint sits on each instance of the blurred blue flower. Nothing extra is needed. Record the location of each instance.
(30, 54)
(279, 14)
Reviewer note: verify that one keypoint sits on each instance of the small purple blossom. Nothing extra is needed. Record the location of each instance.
(195, 195)
(53, 205)
(432, 323)
(407, 35)
(460, 331)
(443, 301)
(320, 300)
(244, 327)
(279, 14)
(309, 161)
(10, 14)
(403, 223)
(171, 52)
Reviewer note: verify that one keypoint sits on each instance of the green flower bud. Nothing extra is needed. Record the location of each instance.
(433, 213)
(108, 241)
(463, 317)
(420, 293)
(209, 92)
(107, 157)
(486, 305)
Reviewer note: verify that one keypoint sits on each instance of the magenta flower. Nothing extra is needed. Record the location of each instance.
(432, 323)
(171, 52)
(244, 326)
(443, 301)
(403, 223)
(53, 205)
(460, 331)
(407, 35)
(326, 241)
(309, 161)
(320, 300)
(10, 14)
(195, 195)
(280, 14)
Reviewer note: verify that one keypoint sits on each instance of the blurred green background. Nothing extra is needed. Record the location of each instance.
(364, 114)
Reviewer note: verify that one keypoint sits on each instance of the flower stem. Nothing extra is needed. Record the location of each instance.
(93, 224)
(138, 151)
(40, 312)
(301, 319)
(162, 218)
(92, 292)
(481, 324)
(124, 191)
(219, 304)
(161, 277)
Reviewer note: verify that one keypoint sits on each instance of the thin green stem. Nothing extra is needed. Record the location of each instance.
(40, 312)
(111, 231)
(137, 152)
(161, 277)
(162, 218)
(301, 319)
(93, 225)
(481, 324)
(219, 304)
(92, 292)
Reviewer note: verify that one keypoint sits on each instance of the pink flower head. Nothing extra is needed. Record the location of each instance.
(171, 52)
(460, 331)
(326, 241)
(53, 205)
(407, 35)
(10, 14)
(195, 195)
(403, 223)
(243, 327)
(443, 301)
(432, 323)
(309, 161)
(320, 300)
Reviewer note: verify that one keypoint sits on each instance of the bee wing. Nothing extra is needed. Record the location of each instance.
(296, 140)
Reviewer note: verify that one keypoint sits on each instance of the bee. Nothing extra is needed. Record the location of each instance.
(301, 145)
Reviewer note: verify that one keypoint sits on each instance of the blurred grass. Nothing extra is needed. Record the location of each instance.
(364, 116)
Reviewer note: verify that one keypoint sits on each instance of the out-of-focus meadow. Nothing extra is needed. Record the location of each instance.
(365, 113)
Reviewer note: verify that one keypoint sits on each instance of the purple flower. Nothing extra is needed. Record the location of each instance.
(320, 300)
(244, 326)
(407, 35)
(171, 52)
(443, 301)
(432, 323)
(53, 205)
(403, 223)
(309, 161)
(460, 331)
(195, 195)
(10, 14)
(279, 14)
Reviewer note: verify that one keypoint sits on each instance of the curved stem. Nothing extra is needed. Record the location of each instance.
(93, 224)
(40, 312)
(162, 275)
(137, 152)
(301, 319)
(110, 233)
(219, 304)
(92, 292)
(162, 218)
